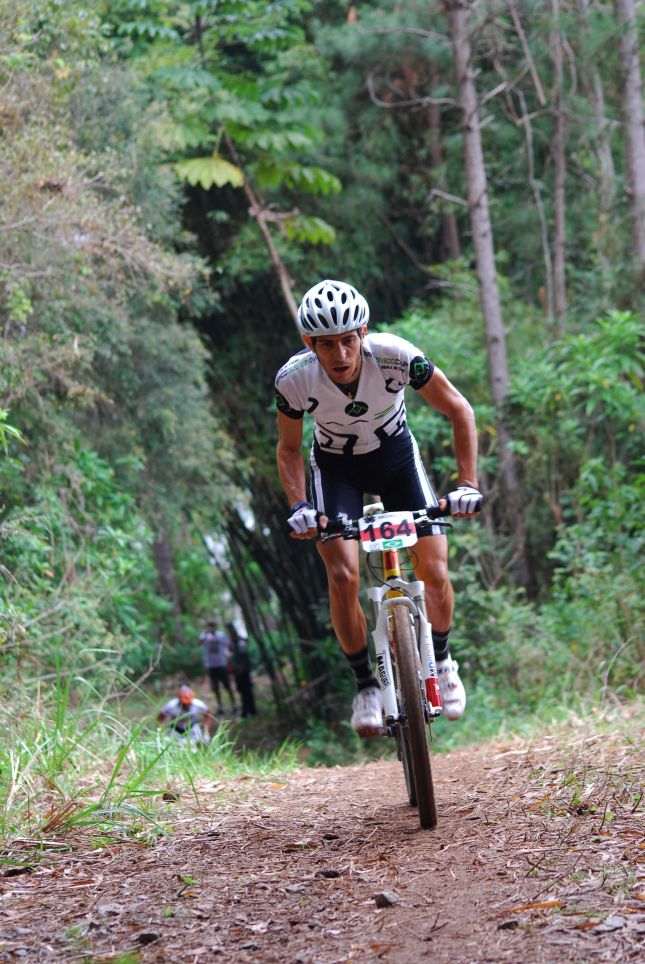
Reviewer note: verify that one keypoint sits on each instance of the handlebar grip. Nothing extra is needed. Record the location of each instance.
(334, 526)
(319, 515)
(436, 512)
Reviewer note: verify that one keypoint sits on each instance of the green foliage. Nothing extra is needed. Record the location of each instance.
(313, 230)
(588, 390)
(80, 578)
(7, 431)
(207, 171)
(309, 179)
(233, 79)
(104, 383)
(576, 412)
(127, 125)
(579, 412)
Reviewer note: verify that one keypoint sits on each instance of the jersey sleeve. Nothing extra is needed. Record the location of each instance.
(403, 362)
(287, 391)
(421, 369)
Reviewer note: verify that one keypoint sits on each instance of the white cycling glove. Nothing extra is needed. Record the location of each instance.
(464, 499)
(303, 517)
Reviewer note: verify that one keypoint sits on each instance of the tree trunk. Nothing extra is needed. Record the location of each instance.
(168, 584)
(458, 11)
(592, 82)
(539, 207)
(558, 147)
(634, 121)
(450, 249)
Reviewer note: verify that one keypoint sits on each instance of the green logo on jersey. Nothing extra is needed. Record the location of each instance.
(354, 409)
(418, 369)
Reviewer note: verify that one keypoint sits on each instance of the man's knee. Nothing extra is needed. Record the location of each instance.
(342, 578)
(434, 571)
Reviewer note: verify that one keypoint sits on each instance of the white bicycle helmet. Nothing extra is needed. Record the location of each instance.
(332, 308)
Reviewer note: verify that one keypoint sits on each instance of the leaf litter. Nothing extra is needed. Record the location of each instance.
(538, 856)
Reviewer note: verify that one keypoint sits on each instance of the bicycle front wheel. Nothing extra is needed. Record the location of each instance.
(409, 685)
(404, 755)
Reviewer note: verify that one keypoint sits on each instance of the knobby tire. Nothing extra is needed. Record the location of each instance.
(414, 738)
(403, 754)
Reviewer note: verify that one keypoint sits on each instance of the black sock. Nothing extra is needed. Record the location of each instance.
(440, 643)
(362, 668)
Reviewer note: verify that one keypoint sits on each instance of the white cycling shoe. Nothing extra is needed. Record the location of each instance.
(453, 694)
(367, 718)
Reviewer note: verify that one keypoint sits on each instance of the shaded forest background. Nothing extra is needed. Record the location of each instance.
(173, 177)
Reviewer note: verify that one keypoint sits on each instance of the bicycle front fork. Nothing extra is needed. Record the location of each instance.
(381, 636)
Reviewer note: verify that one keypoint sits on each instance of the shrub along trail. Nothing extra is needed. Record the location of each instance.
(536, 859)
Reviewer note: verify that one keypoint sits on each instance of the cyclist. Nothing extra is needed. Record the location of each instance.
(352, 384)
(187, 717)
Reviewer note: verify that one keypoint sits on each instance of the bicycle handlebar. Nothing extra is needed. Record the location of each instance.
(348, 528)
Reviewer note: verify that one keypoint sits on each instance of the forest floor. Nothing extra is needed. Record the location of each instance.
(538, 857)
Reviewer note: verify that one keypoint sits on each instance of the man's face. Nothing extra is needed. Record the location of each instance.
(339, 355)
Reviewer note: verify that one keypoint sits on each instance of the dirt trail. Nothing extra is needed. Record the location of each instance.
(536, 859)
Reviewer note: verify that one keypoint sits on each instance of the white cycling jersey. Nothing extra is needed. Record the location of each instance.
(354, 426)
(185, 716)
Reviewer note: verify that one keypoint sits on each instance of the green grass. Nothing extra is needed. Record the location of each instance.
(71, 765)
(491, 717)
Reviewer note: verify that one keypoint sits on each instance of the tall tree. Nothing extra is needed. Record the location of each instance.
(634, 123)
(593, 84)
(458, 16)
(558, 148)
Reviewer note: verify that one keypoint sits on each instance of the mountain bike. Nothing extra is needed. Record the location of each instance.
(405, 661)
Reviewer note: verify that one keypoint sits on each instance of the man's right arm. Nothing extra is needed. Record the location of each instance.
(291, 465)
(291, 469)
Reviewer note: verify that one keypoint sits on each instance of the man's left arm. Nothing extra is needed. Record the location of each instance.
(442, 395)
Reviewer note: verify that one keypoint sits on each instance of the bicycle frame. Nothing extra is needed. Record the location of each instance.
(399, 592)
(405, 661)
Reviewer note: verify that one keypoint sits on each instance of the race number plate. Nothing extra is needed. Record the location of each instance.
(387, 530)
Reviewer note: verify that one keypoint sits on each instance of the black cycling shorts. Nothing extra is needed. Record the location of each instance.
(393, 473)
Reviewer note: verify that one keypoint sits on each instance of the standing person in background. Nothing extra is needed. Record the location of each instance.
(242, 670)
(217, 652)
